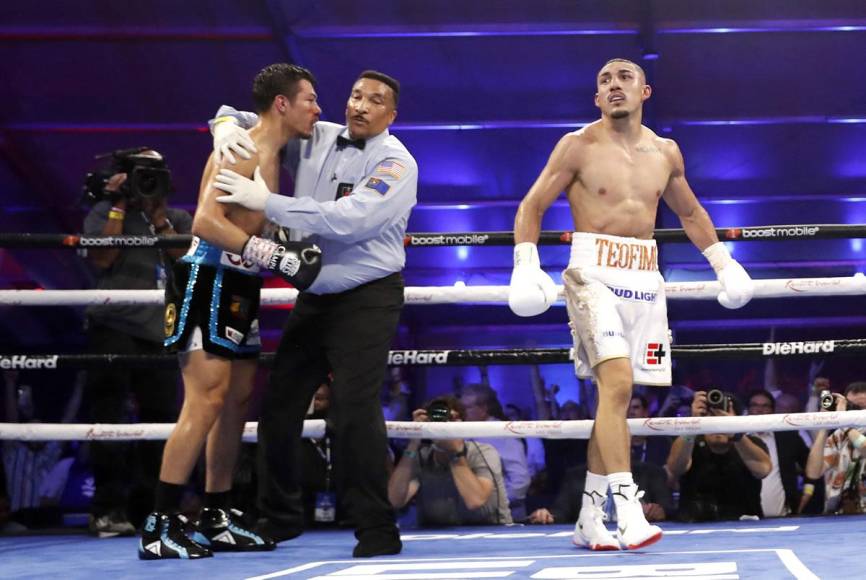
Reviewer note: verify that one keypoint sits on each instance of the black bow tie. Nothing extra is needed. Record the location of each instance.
(342, 143)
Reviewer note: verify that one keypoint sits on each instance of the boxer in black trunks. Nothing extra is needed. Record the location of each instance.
(212, 304)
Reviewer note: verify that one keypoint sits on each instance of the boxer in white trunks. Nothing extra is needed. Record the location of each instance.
(614, 172)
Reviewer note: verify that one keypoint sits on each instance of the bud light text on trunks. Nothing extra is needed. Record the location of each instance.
(636, 295)
(626, 256)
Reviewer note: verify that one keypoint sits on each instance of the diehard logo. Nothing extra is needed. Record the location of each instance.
(23, 361)
(803, 347)
(414, 357)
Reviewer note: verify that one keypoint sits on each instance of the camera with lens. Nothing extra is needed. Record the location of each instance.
(439, 412)
(719, 399)
(146, 176)
(828, 402)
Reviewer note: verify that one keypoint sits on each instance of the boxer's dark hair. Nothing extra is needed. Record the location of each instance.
(278, 79)
(392, 83)
(627, 61)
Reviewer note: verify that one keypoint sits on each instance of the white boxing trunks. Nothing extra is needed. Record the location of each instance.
(616, 306)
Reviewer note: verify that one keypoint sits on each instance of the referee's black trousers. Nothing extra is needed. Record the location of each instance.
(350, 335)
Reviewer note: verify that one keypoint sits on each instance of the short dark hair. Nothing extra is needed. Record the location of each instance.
(486, 396)
(643, 400)
(278, 79)
(855, 388)
(392, 83)
(627, 61)
(453, 403)
(764, 393)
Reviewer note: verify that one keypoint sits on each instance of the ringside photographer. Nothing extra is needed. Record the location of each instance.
(129, 197)
(720, 475)
(841, 456)
(453, 481)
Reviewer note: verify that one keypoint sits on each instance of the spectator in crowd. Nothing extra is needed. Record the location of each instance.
(654, 449)
(780, 494)
(841, 458)
(719, 475)
(482, 404)
(788, 403)
(562, 454)
(453, 481)
(531, 445)
(125, 470)
(677, 403)
(396, 403)
(316, 469)
(652, 479)
(29, 465)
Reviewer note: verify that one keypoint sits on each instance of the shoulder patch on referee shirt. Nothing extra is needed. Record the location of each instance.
(391, 168)
(377, 184)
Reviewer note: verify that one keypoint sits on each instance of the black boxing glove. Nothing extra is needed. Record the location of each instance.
(298, 263)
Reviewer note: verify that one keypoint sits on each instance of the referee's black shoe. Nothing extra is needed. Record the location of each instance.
(226, 531)
(164, 536)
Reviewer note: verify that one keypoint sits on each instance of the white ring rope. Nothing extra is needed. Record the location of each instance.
(777, 288)
(467, 429)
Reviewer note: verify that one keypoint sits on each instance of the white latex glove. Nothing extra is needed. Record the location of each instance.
(250, 193)
(531, 291)
(737, 286)
(228, 136)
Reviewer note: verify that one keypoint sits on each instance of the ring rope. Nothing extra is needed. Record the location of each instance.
(429, 357)
(709, 290)
(669, 426)
(434, 239)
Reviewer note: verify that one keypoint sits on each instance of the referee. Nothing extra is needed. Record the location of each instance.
(355, 186)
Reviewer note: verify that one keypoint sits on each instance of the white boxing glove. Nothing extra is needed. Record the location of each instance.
(228, 136)
(737, 286)
(531, 291)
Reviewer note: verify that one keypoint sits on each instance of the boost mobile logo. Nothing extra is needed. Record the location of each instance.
(780, 232)
(804, 347)
(413, 357)
(22, 361)
(445, 240)
(116, 241)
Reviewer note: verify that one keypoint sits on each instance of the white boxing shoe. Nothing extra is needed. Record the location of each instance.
(634, 530)
(589, 531)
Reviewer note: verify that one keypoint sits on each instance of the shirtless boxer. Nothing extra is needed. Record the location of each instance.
(212, 303)
(614, 172)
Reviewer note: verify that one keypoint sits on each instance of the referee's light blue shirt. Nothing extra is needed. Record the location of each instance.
(354, 204)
